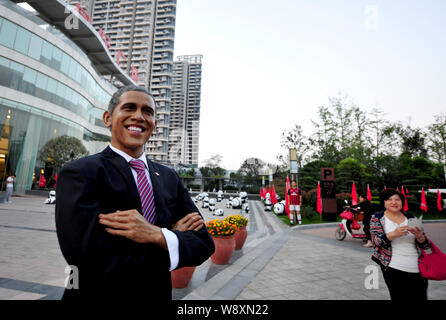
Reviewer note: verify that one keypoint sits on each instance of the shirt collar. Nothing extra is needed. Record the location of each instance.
(128, 158)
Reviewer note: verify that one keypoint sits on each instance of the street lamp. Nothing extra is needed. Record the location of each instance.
(293, 165)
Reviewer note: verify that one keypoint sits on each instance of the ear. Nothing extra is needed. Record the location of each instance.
(107, 118)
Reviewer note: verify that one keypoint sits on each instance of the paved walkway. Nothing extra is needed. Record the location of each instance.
(277, 262)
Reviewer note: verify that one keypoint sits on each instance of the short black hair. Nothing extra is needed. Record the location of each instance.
(389, 192)
(114, 101)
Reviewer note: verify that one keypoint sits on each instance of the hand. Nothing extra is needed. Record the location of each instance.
(418, 233)
(398, 232)
(132, 225)
(192, 221)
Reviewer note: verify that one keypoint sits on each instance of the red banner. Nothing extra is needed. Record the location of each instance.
(319, 199)
(354, 195)
(423, 205)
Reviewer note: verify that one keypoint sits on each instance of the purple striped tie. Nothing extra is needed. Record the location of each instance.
(145, 191)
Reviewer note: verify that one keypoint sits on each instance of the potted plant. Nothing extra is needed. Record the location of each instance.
(223, 234)
(240, 236)
(181, 277)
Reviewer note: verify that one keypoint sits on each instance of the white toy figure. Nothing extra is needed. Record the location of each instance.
(236, 203)
(212, 202)
(51, 198)
(219, 196)
(205, 202)
(228, 204)
(279, 207)
(268, 203)
(218, 212)
(244, 197)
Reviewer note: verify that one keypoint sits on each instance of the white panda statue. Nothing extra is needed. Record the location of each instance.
(218, 212)
(245, 207)
(228, 204)
(236, 203)
(244, 196)
(219, 196)
(268, 203)
(205, 202)
(212, 202)
(279, 207)
(51, 198)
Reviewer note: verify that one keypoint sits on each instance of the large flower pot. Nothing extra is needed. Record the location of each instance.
(224, 247)
(240, 237)
(181, 277)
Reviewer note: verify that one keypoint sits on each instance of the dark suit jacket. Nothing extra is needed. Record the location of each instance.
(113, 266)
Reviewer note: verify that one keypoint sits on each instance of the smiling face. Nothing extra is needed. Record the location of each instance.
(393, 204)
(132, 122)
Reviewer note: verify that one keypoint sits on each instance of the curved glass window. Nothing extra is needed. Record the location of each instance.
(27, 43)
(16, 76)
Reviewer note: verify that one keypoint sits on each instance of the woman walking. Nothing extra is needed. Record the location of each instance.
(397, 247)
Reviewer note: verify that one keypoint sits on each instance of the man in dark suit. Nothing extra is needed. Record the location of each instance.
(99, 212)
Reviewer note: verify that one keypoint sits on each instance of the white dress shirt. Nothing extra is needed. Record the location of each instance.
(171, 238)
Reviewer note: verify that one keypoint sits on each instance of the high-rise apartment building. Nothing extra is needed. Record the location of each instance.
(140, 35)
(185, 112)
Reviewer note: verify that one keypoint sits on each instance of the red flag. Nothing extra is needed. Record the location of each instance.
(406, 206)
(439, 206)
(319, 200)
(273, 196)
(423, 205)
(42, 181)
(369, 193)
(55, 178)
(287, 199)
(354, 195)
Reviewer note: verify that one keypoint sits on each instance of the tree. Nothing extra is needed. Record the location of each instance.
(437, 138)
(294, 139)
(214, 161)
(413, 141)
(333, 134)
(347, 171)
(250, 168)
(61, 150)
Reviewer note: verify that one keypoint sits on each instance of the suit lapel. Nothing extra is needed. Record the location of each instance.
(124, 170)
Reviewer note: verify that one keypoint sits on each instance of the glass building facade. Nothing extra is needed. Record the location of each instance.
(48, 88)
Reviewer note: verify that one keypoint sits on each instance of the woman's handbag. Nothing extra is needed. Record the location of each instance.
(433, 266)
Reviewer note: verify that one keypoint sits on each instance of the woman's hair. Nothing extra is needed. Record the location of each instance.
(389, 192)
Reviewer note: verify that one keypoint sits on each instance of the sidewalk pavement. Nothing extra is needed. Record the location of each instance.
(277, 262)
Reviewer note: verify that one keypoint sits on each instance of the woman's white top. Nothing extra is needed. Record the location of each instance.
(10, 182)
(404, 252)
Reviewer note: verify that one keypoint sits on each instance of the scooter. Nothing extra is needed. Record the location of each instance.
(348, 224)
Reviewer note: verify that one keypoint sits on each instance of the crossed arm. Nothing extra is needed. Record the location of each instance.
(132, 225)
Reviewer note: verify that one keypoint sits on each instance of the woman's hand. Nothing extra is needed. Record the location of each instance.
(398, 232)
(418, 233)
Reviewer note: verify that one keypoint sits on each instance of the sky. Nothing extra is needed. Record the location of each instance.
(269, 65)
